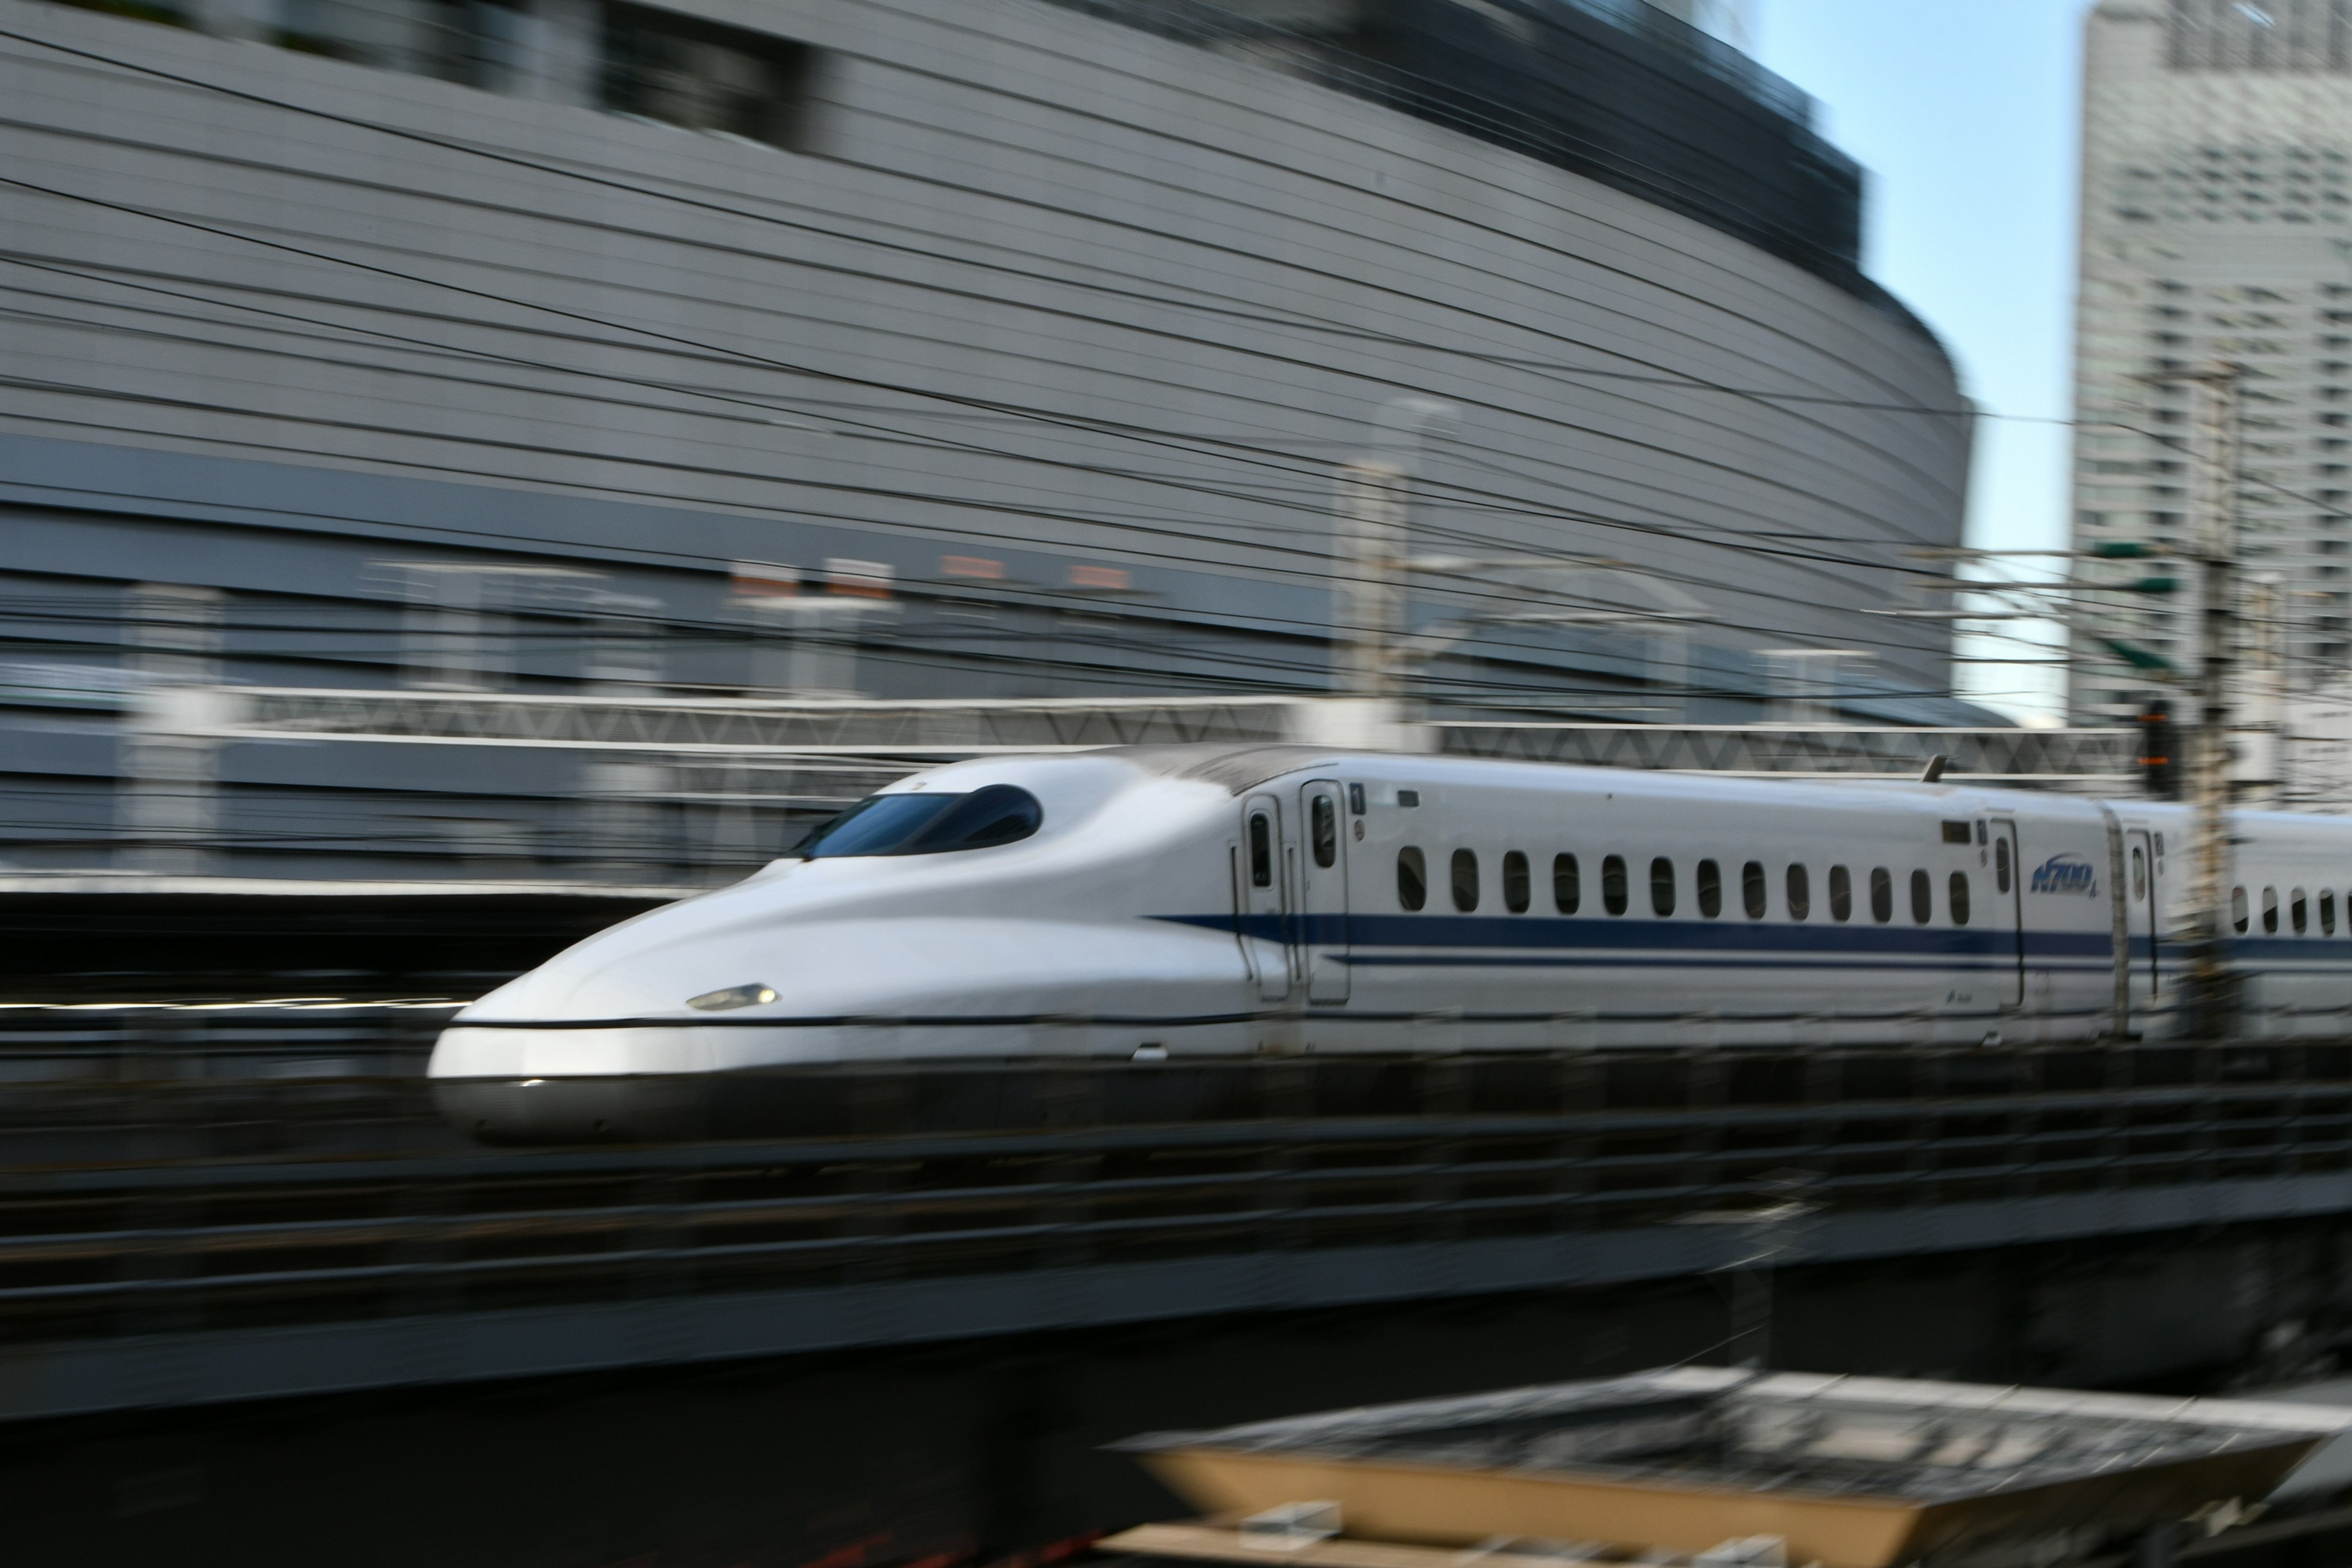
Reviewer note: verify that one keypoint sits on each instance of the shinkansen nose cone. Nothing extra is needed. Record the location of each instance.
(690, 1020)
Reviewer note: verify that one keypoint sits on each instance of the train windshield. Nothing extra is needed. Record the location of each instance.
(926, 823)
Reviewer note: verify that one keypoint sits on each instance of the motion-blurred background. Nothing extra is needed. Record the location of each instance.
(471, 471)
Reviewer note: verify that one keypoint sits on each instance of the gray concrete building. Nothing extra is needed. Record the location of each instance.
(915, 348)
(2216, 213)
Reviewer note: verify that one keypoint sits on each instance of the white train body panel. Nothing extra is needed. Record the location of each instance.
(1147, 913)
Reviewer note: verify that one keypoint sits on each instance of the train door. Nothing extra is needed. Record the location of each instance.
(2008, 899)
(2145, 919)
(1322, 924)
(1264, 908)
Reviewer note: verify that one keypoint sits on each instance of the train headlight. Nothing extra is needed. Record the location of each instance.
(733, 996)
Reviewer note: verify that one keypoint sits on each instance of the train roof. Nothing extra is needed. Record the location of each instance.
(1239, 768)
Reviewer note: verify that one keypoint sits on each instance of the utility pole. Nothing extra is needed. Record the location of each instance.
(1375, 519)
(1373, 647)
(1374, 515)
(2212, 988)
(1373, 498)
(2260, 759)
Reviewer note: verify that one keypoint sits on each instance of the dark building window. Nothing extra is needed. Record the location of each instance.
(466, 42)
(631, 60)
(706, 77)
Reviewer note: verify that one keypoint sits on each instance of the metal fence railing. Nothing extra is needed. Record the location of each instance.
(1555, 1144)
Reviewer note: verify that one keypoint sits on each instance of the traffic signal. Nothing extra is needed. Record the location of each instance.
(2158, 770)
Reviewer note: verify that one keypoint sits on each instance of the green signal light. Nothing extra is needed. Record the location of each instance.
(2138, 657)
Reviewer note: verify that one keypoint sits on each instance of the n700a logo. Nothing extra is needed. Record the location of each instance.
(2066, 874)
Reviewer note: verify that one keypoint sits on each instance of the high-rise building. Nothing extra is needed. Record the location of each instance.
(2216, 226)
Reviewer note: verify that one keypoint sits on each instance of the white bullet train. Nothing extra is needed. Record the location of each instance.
(1152, 905)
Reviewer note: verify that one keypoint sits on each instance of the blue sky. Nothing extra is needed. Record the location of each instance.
(1964, 114)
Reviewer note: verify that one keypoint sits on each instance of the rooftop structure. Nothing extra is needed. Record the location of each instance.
(1848, 1472)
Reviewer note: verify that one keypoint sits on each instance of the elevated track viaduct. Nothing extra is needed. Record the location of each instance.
(238, 1250)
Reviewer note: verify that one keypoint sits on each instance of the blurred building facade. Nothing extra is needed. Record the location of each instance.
(930, 348)
(2216, 222)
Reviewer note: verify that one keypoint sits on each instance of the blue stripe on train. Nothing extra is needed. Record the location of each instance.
(1550, 941)
(1643, 961)
(1541, 933)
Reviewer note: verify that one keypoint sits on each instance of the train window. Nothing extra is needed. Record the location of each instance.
(2326, 911)
(1323, 829)
(1515, 882)
(1751, 889)
(2270, 912)
(1959, 891)
(1408, 797)
(1923, 898)
(1465, 879)
(922, 824)
(2139, 873)
(1710, 889)
(1800, 893)
(2238, 909)
(1956, 833)
(999, 814)
(1613, 884)
(1881, 894)
(1841, 894)
(1662, 887)
(1413, 878)
(2001, 866)
(1567, 884)
(2296, 910)
(1261, 836)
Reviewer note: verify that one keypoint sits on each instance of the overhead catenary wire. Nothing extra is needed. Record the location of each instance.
(1495, 502)
(1203, 304)
(1319, 512)
(1435, 502)
(193, 82)
(1830, 430)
